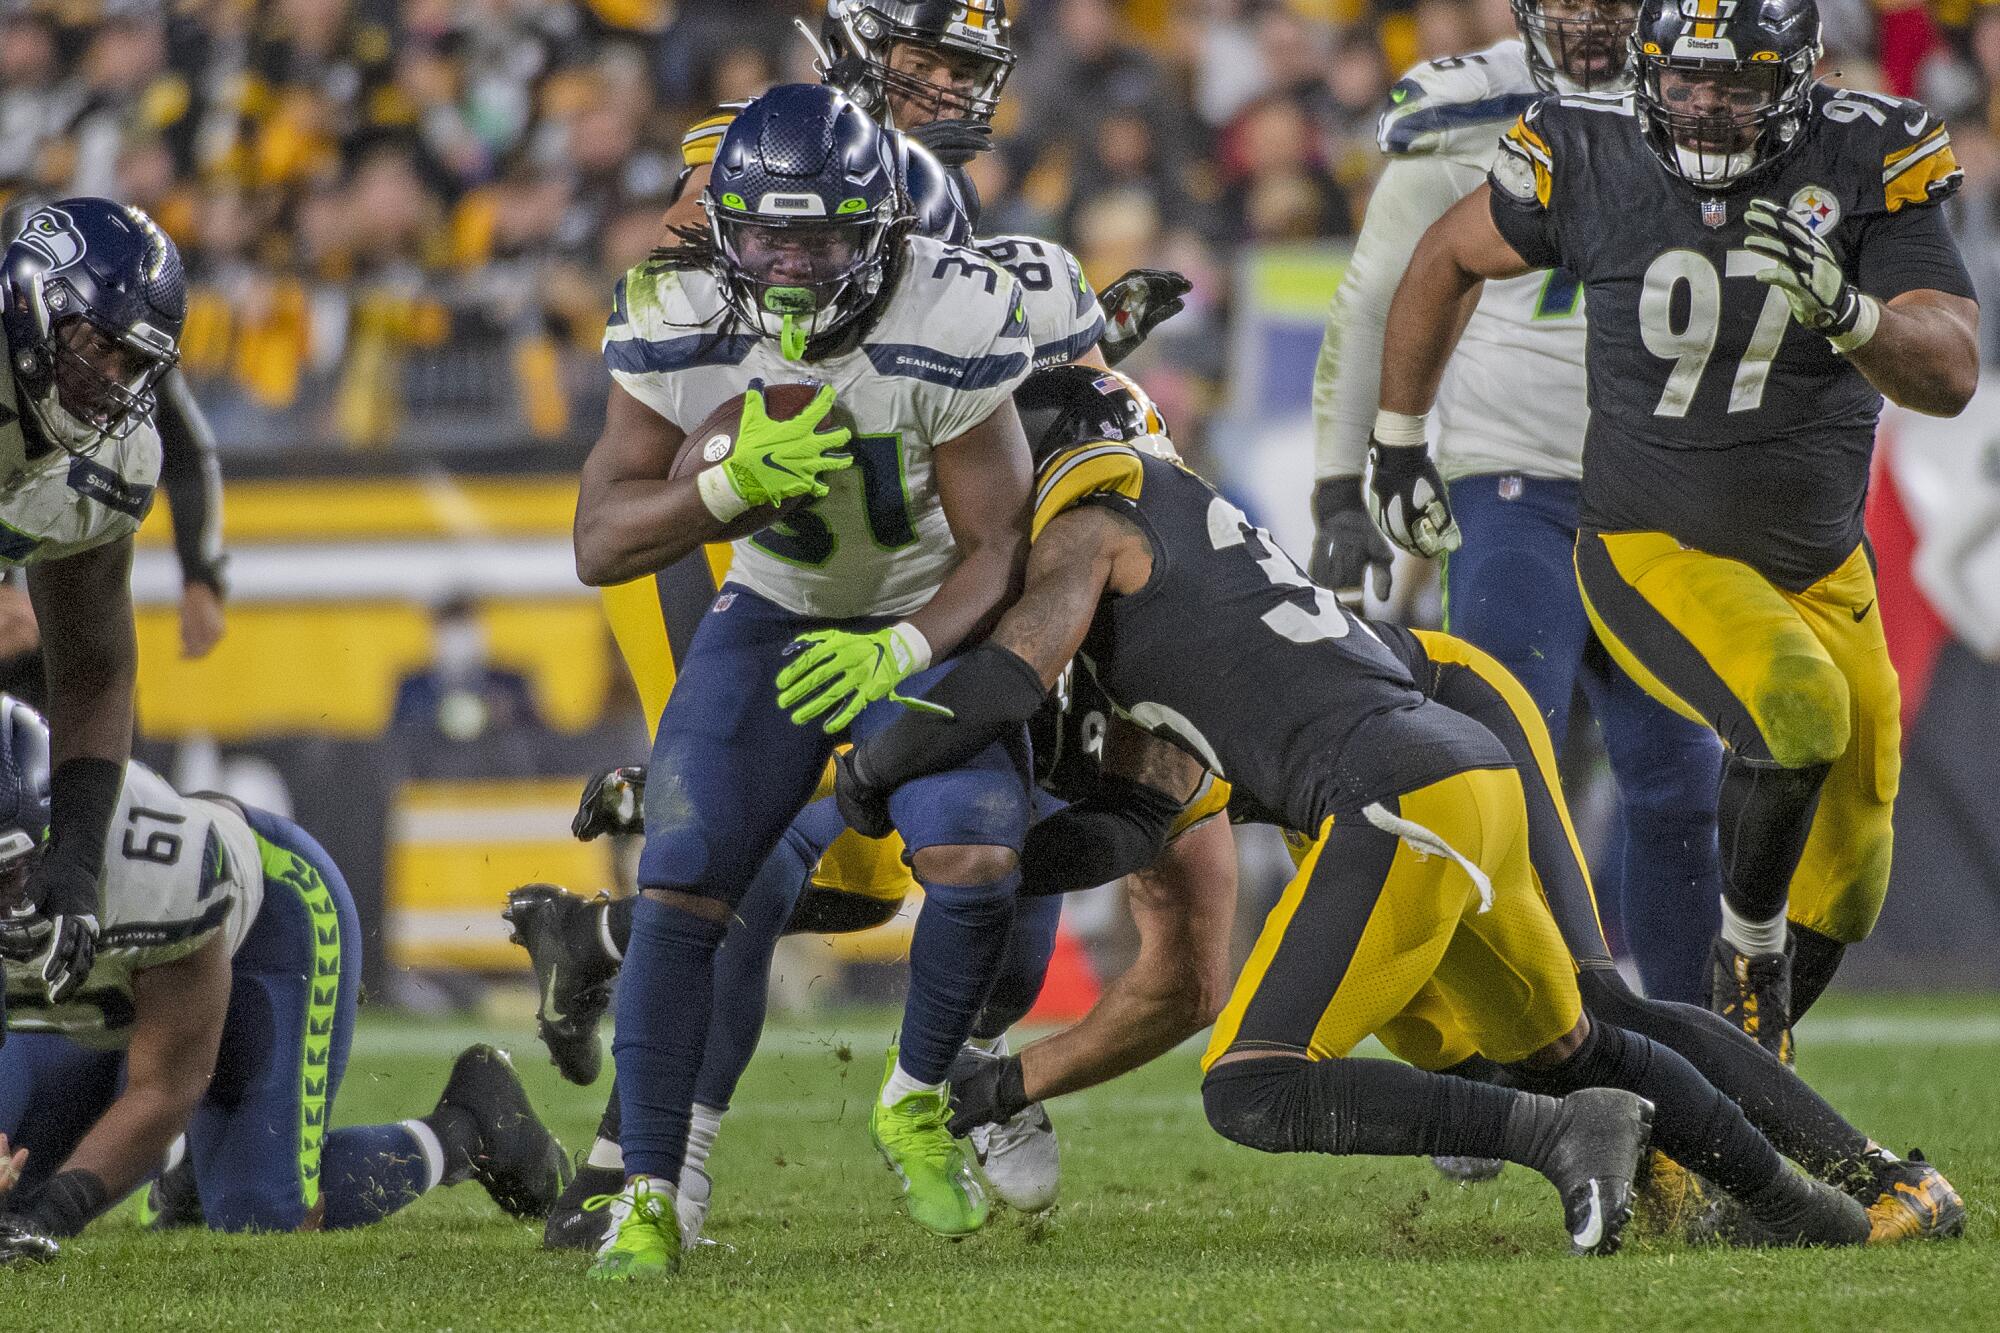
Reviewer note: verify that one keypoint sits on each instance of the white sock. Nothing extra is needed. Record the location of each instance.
(990, 1045)
(1753, 937)
(611, 949)
(175, 1152)
(659, 1185)
(703, 1126)
(901, 1085)
(433, 1151)
(605, 1154)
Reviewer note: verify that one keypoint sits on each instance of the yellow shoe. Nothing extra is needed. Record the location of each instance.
(941, 1187)
(1910, 1200)
(644, 1238)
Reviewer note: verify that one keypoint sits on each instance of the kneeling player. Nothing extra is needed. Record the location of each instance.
(222, 1006)
(1418, 886)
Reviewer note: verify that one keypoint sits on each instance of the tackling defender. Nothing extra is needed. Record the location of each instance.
(1510, 460)
(1417, 894)
(1769, 264)
(911, 540)
(222, 1007)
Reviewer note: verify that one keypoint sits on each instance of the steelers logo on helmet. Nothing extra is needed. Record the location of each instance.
(1723, 85)
(1816, 206)
(806, 210)
(910, 62)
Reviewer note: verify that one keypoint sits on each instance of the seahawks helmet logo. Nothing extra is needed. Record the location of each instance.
(52, 234)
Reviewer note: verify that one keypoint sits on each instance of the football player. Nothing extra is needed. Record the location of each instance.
(92, 298)
(1123, 810)
(1417, 890)
(1511, 460)
(222, 1007)
(1764, 259)
(910, 540)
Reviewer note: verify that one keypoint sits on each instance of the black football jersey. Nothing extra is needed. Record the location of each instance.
(1714, 417)
(1231, 653)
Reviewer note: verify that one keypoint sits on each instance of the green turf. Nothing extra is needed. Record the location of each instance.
(1162, 1224)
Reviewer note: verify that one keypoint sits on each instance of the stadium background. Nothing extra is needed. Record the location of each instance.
(402, 222)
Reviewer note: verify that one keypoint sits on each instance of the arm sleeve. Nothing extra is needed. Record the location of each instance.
(1910, 250)
(192, 476)
(988, 691)
(1119, 828)
(1412, 194)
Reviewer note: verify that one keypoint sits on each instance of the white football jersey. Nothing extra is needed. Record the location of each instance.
(176, 871)
(949, 348)
(63, 503)
(1064, 318)
(1513, 395)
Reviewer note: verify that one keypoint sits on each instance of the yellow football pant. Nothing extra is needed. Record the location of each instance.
(1794, 678)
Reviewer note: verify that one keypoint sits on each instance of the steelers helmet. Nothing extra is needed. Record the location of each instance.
(1724, 86)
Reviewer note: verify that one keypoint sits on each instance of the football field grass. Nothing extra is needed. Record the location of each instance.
(1162, 1224)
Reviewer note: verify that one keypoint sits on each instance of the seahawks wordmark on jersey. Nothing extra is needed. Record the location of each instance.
(58, 503)
(1512, 398)
(1064, 318)
(948, 349)
(1714, 417)
(176, 871)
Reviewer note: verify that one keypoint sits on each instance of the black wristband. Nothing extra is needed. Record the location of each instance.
(208, 573)
(1011, 1093)
(83, 799)
(68, 1202)
(988, 691)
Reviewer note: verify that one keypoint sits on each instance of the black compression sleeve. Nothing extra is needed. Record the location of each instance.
(988, 691)
(68, 1202)
(192, 479)
(83, 798)
(1120, 828)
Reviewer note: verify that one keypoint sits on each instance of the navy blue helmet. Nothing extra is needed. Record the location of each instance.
(938, 209)
(92, 298)
(24, 791)
(857, 37)
(807, 210)
(1724, 85)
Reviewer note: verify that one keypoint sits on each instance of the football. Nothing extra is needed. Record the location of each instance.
(715, 439)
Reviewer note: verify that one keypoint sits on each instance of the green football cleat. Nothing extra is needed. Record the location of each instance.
(941, 1186)
(643, 1239)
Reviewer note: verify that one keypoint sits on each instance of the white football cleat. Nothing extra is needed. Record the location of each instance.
(1021, 1159)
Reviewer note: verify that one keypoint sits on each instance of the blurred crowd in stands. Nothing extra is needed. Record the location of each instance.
(403, 217)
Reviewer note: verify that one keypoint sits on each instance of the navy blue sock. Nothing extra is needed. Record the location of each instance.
(1022, 967)
(1671, 875)
(743, 971)
(665, 996)
(368, 1172)
(955, 951)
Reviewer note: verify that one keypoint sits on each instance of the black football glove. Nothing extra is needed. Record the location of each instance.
(611, 803)
(1803, 267)
(56, 933)
(955, 142)
(20, 1243)
(1348, 554)
(1406, 499)
(1137, 304)
(864, 807)
(985, 1090)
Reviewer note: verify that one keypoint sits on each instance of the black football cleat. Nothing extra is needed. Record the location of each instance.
(1755, 994)
(1599, 1148)
(570, 1225)
(515, 1157)
(1908, 1200)
(573, 982)
(171, 1200)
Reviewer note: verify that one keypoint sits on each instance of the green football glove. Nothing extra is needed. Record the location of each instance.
(1804, 267)
(842, 671)
(775, 461)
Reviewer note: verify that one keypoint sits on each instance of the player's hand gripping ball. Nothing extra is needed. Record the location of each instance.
(763, 455)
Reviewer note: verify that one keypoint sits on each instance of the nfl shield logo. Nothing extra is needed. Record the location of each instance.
(1714, 212)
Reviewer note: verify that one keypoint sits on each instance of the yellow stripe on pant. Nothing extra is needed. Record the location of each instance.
(1795, 678)
(1370, 926)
